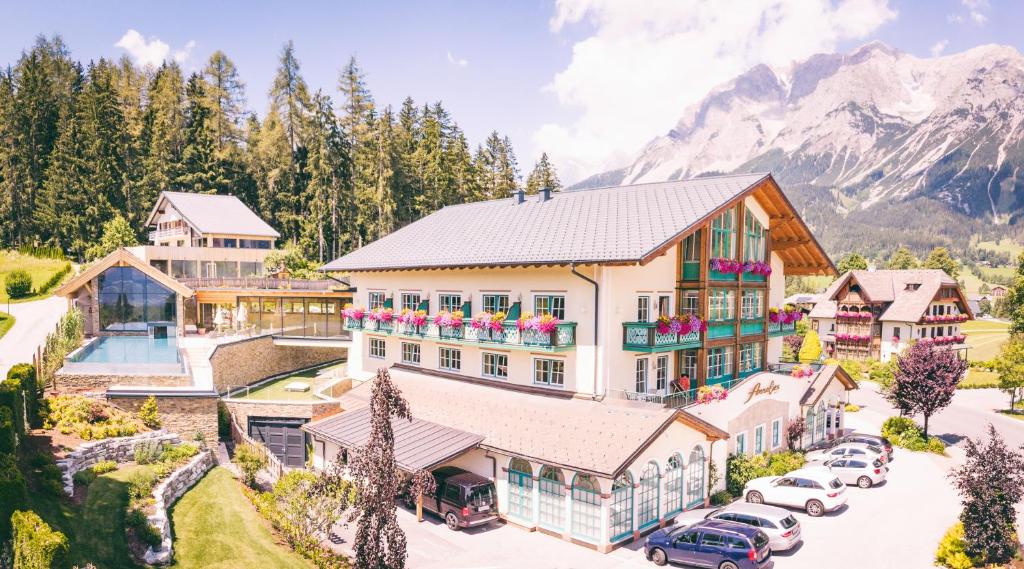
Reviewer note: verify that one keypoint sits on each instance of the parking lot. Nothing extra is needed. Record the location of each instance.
(895, 525)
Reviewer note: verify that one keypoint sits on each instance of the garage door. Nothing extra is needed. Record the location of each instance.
(282, 436)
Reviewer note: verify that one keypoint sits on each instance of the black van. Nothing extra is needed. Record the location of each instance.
(462, 498)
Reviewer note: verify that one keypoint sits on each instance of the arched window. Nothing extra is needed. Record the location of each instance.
(674, 485)
(552, 498)
(586, 508)
(648, 496)
(695, 478)
(620, 516)
(520, 489)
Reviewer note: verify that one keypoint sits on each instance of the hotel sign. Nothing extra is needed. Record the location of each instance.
(758, 389)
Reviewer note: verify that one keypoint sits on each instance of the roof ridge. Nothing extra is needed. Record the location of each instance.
(699, 178)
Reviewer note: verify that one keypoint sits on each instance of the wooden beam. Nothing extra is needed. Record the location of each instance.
(789, 243)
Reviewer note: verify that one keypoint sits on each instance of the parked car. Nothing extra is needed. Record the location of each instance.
(857, 471)
(849, 450)
(875, 440)
(711, 543)
(462, 499)
(782, 529)
(813, 489)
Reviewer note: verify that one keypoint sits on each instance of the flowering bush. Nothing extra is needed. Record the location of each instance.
(382, 314)
(544, 323)
(842, 315)
(942, 340)
(412, 317)
(707, 394)
(844, 337)
(945, 318)
(801, 371)
(682, 324)
(785, 315)
(351, 312)
(448, 320)
(488, 321)
(733, 267)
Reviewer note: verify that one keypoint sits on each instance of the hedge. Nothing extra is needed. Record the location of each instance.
(8, 437)
(37, 545)
(54, 279)
(13, 493)
(25, 376)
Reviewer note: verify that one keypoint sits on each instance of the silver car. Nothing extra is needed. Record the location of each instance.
(856, 470)
(781, 527)
(848, 450)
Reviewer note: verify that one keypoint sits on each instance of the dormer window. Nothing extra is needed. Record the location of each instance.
(913, 286)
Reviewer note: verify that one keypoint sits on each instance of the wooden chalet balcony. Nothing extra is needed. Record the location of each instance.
(259, 283)
(779, 329)
(644, 337)
(170, 232)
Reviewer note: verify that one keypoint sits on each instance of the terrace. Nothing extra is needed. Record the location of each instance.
(561, 338)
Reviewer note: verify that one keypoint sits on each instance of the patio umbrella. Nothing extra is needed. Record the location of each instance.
(218, 317)
(241, 314)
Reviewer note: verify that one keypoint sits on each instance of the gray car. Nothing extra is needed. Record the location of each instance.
(782, 528)
(860, 471)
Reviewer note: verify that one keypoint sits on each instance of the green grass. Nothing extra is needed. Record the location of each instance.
(972, 284)
(985, 338)
(6, 321)
(1016, 414)
(275, 390)
(40, 270)
(978, 378)
(1004, 245)
(215, 526)
(989, 273)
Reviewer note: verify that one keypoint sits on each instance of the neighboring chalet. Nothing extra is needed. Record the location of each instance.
(567, 342)
(876, 314)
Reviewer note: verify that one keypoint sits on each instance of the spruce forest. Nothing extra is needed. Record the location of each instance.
(81, 144)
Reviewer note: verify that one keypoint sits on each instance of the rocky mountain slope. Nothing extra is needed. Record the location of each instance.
(878, 147)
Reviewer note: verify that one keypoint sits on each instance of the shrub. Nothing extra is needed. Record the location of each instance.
(853, 367)
(140, 485)
(149, 414)
(810, 350)
(721, 498)
(852, 408)
(143, 530)
(148, 452)
(951, 552)
(904, 432)
(84, 477)
(55, 278)
(12, 397)
(18, 283)
(13, 493)
(104, 466)
(741, 468)
(223, 421)
(8, 438)
(250, 461)
(179, 453)
(88, 419)
(36, 545)
(25, 377)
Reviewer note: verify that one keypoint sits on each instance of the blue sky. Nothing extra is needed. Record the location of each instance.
(589, 81)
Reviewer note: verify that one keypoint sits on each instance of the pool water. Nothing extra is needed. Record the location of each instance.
(130, 350)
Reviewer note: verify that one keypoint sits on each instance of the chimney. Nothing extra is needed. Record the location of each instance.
(545, 194)
(520, 195)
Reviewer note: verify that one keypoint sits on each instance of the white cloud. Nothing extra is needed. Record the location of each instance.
(458, 61)
(639, 68)
(152, 52)
(938, 47)
(977, 12)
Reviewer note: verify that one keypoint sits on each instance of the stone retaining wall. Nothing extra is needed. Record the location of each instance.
(165, 494)
(119, 450)
(98, 382)
(184, 415)
(241, 363)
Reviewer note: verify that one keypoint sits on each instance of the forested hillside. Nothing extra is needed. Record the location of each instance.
(81, 143)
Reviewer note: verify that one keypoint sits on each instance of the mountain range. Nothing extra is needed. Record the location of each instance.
(877, 147)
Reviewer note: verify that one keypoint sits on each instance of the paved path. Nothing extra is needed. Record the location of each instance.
(34, 320)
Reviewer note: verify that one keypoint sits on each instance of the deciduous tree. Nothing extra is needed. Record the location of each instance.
(902, 259)
(925, 381)
(939, 258)
(1010, 366)
(852, 262)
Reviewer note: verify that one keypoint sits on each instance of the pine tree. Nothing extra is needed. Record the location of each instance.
(375, 179)
(326, 227)
(162, 139)
(200, 170)
(543, 176)
(225, 98)
(289, 95)
(357, 103)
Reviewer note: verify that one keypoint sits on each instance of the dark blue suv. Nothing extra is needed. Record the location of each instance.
(711, 543)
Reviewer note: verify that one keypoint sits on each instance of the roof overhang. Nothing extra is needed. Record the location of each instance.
(121, 258)
(826, 376)
(161, 203)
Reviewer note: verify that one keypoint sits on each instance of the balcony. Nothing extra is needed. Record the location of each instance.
(676, 400)
(644, 337)
(721, 329)
(172, 232)
(776, 329)
(562, 338)
(259, 283)
(752, 327)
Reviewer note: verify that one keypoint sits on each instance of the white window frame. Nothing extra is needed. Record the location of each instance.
(448, 306)
(497, 366)
(375, 342)
(550, 373)
(641, 375)
(376, 299)
(668, 305)
(643, 308)
(454, 355)
(752, 304)
(419, 353)
(409, 293)
(505, 295)
(552, 310)
(662, 373)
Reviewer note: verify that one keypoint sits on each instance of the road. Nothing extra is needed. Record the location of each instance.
(33, 321)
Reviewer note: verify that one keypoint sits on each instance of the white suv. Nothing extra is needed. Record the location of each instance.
(860, 451)
(813, 489)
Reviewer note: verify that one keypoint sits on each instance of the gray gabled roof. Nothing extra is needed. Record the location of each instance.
(419, 444)
(605, 225)
(211, 213)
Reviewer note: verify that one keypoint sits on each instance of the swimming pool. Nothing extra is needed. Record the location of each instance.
(127, 354)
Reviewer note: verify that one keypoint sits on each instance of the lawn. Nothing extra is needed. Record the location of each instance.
(40, 270)
(316, 378)
(6, 321)
(980, 378)
(215, 525)
(1004, 245)
(985, 338)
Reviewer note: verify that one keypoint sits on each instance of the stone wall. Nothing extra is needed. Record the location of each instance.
(119, 449)
(241, 363)
(165, 494)
(99, 382)
(186, 415)
(242, 409)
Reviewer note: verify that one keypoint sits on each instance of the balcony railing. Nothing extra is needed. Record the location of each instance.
(721, 329)
(165, 233)
(780, 329)
(751, 327)
(263, 283)
(644, 337)
(676, 400)
(563, 337)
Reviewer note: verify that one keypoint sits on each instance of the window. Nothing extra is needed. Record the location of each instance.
(712, 540)
(377, 348)
(643, 309)
(547, 304)
(620, 511)
(776, 433)
(741, 443)
(495, 365)
(494, 303)
(640, 375)
(664, 305)
(721, 304)
(750, 357)
(753, 239)
(695, 480)
(129, 300)
(549, 372)
(722, 229)
(449, 302)
(376, 299)
(691, 302)
(661, 373)
(551, 488)
(647, 496)
(896, 334)
(250, 269)
(759, 439)
(451, 359)
(689, 538)
(410, 300)
(184, 269)
(752, 304)
(691, 247)
(586, 507)
(410, 353)
(520, 489)
(674, 484)
(690, 364)
(720, 362)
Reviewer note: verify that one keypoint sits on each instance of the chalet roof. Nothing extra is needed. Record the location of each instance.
(616, 225)
(906, 303)
(213, 213)
(419, 444)
(121, 258)
(552, 430)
